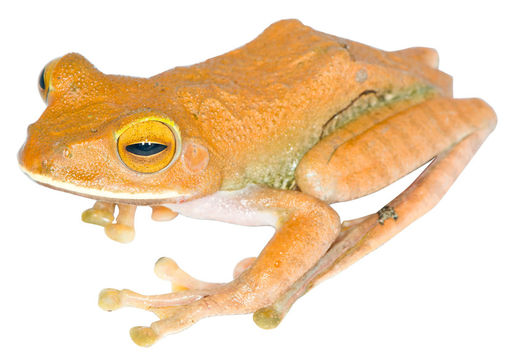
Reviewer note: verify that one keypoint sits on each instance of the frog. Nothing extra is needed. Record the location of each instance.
(269, 134)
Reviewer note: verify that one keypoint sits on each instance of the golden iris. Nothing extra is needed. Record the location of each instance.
(147, 146)
(45, 85)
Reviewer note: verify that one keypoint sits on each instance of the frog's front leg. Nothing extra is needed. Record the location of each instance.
(102, 214)
(305, 229)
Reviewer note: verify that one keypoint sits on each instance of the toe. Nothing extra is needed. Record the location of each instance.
(165, 268)
(97, 217)
(120, 232)
(110, 299)
(161, 213)
(143, 336)
(267, 318)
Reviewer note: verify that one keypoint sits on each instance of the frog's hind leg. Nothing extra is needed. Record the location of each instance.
(361, 236)
(377, 149)
(167, 306)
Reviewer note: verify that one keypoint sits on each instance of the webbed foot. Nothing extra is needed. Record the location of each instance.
(178, 310)
(191, 300)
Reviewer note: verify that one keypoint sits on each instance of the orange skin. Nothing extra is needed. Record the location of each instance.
(286, 96)
(275, 130)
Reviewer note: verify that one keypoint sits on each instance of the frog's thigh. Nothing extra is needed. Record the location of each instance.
(361, 236)
(340, 168)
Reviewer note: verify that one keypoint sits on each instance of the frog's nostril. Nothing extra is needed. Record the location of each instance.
(30, 159)
(67, 153)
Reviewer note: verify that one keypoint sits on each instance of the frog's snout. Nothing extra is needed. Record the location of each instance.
(28, 159)
(35, 159)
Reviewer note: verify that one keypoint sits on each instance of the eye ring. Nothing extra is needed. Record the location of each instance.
(45, 85)
(42, 81)
(149, 145)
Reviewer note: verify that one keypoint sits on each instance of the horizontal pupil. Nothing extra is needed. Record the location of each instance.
(145, 149)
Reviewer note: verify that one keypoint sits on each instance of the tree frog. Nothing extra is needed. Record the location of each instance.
(271, 133)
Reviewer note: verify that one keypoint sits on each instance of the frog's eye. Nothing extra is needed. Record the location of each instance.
(45, 84)
(148, 146)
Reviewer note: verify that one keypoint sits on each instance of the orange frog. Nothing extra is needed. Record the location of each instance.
(267, 134)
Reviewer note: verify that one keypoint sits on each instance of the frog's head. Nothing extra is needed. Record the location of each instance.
(102, 138)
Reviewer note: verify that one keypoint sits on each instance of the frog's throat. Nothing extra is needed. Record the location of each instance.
(99, 194)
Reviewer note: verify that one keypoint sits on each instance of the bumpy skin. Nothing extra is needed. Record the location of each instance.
(268, 134)
(257, 109)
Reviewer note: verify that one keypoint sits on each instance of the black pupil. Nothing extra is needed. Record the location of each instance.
(42, 84)
(145, 148)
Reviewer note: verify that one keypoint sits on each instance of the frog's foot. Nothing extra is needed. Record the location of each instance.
(176, 311)
(102, 214)
(193, 300)
(123, 229)
(180, 310)
(177, 318)
(161, 213)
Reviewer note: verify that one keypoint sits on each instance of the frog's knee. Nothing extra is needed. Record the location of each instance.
(314, 179)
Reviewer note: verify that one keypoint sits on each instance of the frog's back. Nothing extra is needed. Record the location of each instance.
(267, 103)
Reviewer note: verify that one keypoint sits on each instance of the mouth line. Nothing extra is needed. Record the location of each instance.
(98, 194)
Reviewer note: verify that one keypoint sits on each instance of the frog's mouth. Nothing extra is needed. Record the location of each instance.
(171, 196)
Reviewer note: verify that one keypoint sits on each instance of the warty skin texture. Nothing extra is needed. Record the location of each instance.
(267, 134)
(257, 110)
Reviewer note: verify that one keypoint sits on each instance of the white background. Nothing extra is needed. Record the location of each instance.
(437, 290)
